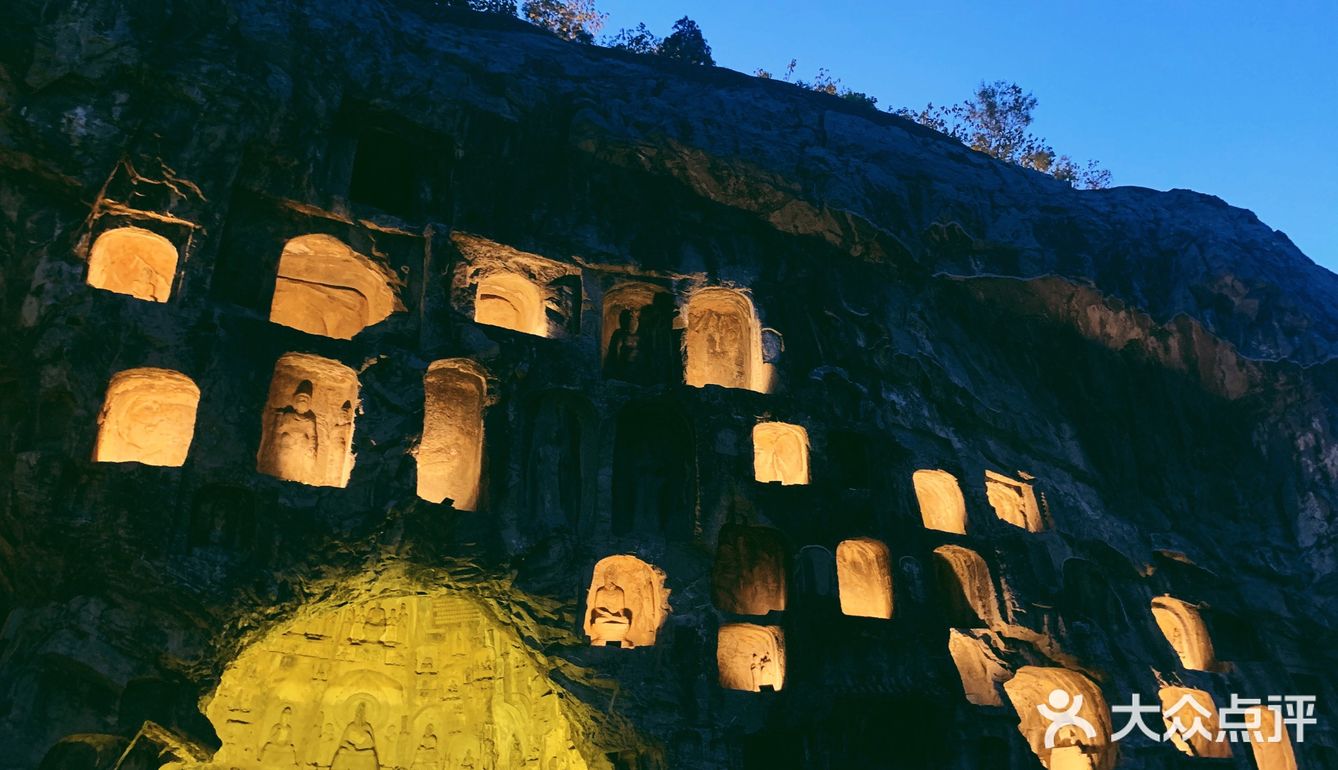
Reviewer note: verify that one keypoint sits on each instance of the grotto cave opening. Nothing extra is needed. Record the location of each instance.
(780, 453)
(864, 577)
(626, 604)
(408, 681)
(135, 262)
(723, 341)
(965, 587)
(748, 576)
(637, 334)
(450, 453)
(942, 506)
(307, 427)
(147, 417)
(1036, 689)
(1014, 501)
(1184, 629)
(1269, 742)
(511, 301)
(750, 657)
(324, 287)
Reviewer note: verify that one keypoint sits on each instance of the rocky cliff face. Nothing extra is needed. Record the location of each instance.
(345, 342)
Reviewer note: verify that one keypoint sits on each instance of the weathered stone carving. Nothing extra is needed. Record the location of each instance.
(638, 334)
(942, 506)
(135, 262)
(1013, 501)
(865, 578)
(307, 430)
(1034, 686)
(511, 301)
(748, 577)
(751, 657)
(966, 587)
(626, 604)
(780, 453)
(450, 455)
(722, 341)
(1186, 632)
(324, 287)
(147, 417)
(1181, 707)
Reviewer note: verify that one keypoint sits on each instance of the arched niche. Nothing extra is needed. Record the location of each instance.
(942, 506)
(637, 334)
(780, 453)
(626, 604)
(450, 454)
(511, 301)
(654, 471)
(324, 287)
(135, 262)
(1013, 501)
(394, 682)
(865, 578)
(1058, 689)
(979, 668)
(147, 417)
(722, 341)
(815, 572)
(748, 577)
(307, 427)
(558, 458)
(1269, 742)
(1180, 708)
(1183, 627)
(751, 657)
(966, 587)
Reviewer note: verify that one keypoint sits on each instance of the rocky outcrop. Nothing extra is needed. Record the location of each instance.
(631, 264)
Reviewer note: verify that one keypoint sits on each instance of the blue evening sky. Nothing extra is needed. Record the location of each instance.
(1236, 98)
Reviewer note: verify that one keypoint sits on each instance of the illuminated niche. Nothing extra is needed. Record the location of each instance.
(748, 577)
(723, 341)
(307, 427)
(511, 301)
(626, 604)
(941, 504)
(1013, 501)
(1180, 707)
(147, 417)
(864, 578)
(1269, 741)
(415, 682)
(979, 668)
(637, 334)
(967, 588)
(133, 261)
(450, 454)
(750, 657)
(1057, 689)
(1183, 627)
(324, 287)
(780, 453)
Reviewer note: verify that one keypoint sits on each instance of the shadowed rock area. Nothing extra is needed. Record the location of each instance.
(470, 476)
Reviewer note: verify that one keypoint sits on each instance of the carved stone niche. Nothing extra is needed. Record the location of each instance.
(1033, 690)
(324, 287)
(965, 588)
(748, 577)
(780, 453)
(1269, 742)
(500, 286)
(979, 667)
(135, 262)
(1180, 708)
(307, 427)
(147, 417)
(942, 506)
(626, 604)
(865, 578)
(1013, 501)
(723, 343)
(751, 657)
(450, 455)
(1183, 627)
(637, 334)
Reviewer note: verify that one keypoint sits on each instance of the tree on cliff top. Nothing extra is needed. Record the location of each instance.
(686, 43)
(570, 19)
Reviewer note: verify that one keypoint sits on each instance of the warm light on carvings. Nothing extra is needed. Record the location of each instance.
(511, 301)
(750, 657)
(450, 455)
(1057, 689)
(1182, 625)
(864, 578)
(147, 417)
(941, 504)
(637, 335)
(780, 453)
(723, 341)
(1180, 707)
(748, 577)
(133, 261)
(626, 604)
(1269, 741)
(307, 427)
(980, 669)
(415, 682)
(1013, 501)
(326, 288)
(971, 585)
